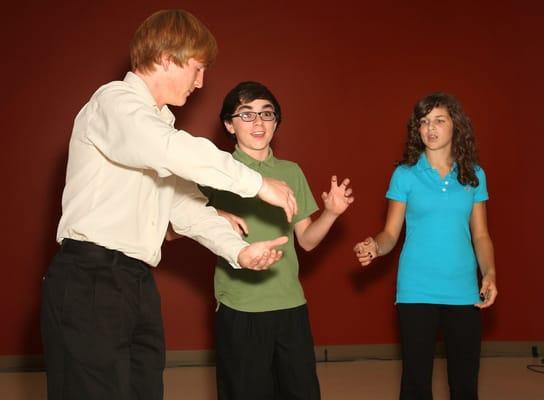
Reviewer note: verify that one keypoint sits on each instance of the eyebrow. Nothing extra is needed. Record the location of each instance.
(436, 116)
(245, 107)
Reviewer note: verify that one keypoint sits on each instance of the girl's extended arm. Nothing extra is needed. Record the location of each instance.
(385, 241)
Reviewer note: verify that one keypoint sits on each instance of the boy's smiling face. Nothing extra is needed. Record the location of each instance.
(253, 137)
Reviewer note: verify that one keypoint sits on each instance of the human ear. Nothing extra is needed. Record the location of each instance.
(165, 61)
(228, 125)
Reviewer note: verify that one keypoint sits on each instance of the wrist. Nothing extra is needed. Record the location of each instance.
(378, 253)
(489, 274)
(330, 214)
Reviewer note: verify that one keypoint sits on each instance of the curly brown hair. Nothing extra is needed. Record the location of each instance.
(463, 142)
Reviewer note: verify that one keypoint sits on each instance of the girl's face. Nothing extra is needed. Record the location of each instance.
(436, 129)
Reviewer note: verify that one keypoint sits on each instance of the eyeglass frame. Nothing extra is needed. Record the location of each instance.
(256, 113)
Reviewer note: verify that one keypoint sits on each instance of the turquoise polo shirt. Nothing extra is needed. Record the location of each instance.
(437, 264)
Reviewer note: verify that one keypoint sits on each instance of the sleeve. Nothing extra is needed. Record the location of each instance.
(130, 132)
(398, 185)
(192, 218)
(305, 198)
(480, 191)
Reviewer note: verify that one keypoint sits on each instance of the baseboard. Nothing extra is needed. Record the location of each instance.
(323, 354)
(392, 351)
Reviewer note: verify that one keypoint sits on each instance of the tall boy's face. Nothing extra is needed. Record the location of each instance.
(181, 81)
(253, 137)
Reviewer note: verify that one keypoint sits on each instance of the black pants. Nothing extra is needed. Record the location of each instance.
(461, 326)
(101, 326)
(265, 355)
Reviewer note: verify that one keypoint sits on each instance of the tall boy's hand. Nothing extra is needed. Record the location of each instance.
(339, 197)
(260, 255)
(279, 194)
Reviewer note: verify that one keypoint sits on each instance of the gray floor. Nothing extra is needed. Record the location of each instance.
(501, 378)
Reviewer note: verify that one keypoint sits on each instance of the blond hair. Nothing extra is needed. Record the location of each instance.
(174, 33)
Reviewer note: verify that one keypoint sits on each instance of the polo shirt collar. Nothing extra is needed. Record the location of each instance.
(141, 89)
(423, 163)
(250, 161)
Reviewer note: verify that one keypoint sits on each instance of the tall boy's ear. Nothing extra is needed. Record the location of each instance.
(228, 125)
(165, 61)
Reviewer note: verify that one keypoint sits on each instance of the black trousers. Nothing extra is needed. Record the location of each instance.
(101, 326)
(265, 355)
(419, 325)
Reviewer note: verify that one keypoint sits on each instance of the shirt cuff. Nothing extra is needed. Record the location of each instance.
(233, 258)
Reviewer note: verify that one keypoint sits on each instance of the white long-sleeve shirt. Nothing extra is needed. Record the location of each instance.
(130, 172)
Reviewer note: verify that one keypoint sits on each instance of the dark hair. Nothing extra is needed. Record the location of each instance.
(246, 92)
(463, 141)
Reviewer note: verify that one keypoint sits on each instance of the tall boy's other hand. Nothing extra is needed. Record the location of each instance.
(260, 255)
(279, 194)
(339, 197)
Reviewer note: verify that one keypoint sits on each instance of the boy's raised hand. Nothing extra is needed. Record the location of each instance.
(339, 197)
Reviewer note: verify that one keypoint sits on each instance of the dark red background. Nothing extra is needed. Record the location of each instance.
(347, 74)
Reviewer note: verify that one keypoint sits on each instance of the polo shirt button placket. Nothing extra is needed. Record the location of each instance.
(445, 188)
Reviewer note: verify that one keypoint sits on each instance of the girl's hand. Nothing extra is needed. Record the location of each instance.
(488, 292)
(366, 251)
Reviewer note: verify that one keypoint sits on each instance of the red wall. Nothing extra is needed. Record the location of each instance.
(347, 75)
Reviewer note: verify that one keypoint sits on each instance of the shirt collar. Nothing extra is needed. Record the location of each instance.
(249, 161)
(423, 163)
(139, 86)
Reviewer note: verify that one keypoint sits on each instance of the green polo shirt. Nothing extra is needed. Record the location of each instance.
(278, 287)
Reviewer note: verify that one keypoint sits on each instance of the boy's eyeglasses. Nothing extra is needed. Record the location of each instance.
(248, 116)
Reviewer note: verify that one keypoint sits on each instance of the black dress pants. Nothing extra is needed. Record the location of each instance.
(265, 355)
(461, 327)
(101, 326)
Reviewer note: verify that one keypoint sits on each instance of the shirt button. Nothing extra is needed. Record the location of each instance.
(446, 183)
(443, 189)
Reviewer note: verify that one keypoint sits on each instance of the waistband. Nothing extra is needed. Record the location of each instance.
(99, 253)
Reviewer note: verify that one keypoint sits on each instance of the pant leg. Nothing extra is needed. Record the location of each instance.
(418, 329)
(294, 357)
(81, 331)
(462, 336)
(244, 354)
(92, 325)
(147, 351)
